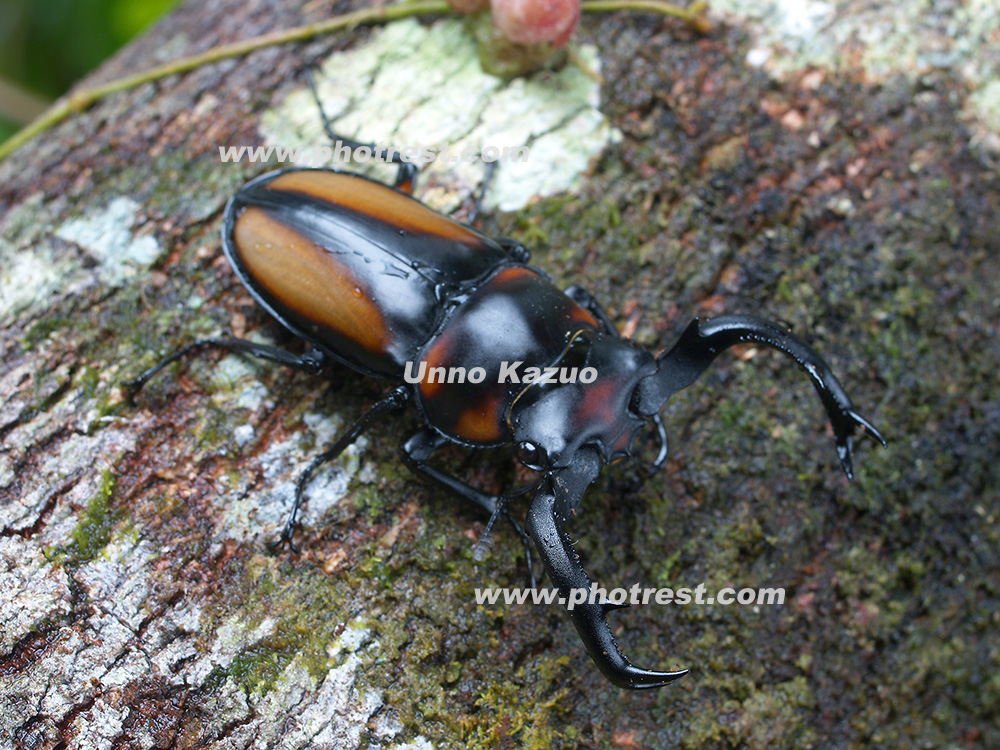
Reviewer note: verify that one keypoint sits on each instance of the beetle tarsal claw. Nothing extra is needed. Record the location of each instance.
(485, 541)
(564, 490)
(844, 429)
(283, 541)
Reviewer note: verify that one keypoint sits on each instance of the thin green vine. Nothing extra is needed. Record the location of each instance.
(83, 99)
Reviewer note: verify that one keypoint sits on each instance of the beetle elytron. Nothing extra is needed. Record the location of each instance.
(372, 278)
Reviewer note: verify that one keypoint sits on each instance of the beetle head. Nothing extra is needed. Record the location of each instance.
(552, 422)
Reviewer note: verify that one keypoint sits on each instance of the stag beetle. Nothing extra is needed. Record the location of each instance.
(373, 279)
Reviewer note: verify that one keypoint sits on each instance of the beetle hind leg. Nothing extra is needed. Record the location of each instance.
(406, 176)
(312, 361)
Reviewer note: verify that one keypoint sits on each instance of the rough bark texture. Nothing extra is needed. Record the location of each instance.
(140, 608)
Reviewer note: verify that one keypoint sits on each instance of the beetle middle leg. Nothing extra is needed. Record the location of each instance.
(417, 450)
(393, 401)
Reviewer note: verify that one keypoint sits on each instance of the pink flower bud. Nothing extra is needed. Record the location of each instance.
(535, 21)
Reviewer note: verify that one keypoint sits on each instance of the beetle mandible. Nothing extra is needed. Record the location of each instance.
(373, 279)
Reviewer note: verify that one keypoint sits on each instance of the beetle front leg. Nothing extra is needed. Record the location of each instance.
(556, 500)
(417, 450)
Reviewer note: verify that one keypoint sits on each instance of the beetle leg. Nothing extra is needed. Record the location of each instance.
(477, 206)
(394, 400)
(588, 302)
(702, 342)
(312, 361)
(406, 176)
(651, 467)
(556, 500)
(514, 249)
(478, 199)
(417, 450)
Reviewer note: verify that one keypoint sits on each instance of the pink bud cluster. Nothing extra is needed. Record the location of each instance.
(528, 21)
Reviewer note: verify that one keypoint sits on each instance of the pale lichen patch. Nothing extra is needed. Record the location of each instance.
(418, 743)
(108, 238)
(31, 590)
(422, 87)
(340, 712)
(30, 274)
(354, 637)
(984, 105)
(298, 713)
(26, 278)
(98, 728)
(912, 37)
(118, 579)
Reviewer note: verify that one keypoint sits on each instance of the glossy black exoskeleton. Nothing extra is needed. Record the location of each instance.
(373, 279)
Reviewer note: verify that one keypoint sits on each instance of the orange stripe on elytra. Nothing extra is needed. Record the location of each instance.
(436, 356)
(307, 280)
(374, 200)
(481, 423)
